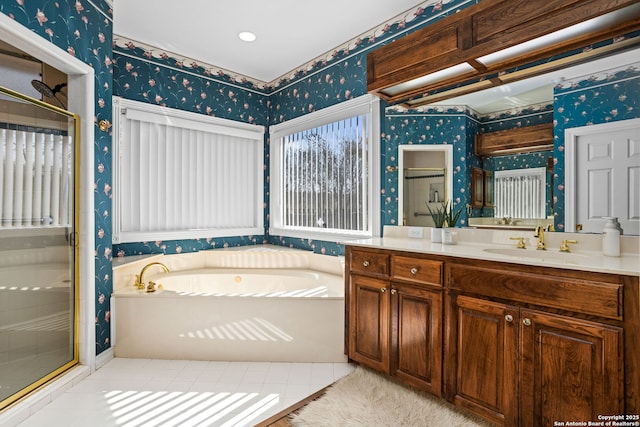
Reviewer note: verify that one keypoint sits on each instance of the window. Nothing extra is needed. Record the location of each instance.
(324, 172)
(520, 193)
(180, 175)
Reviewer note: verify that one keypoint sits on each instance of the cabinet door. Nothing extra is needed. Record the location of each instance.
(483, 345)
(416, 336)
(369, 322)
(477, 187)
(571, 369)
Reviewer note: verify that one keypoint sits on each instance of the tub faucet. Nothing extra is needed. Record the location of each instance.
(540, 235)
(140, 283)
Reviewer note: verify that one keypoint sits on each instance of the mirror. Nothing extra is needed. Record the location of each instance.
(603, 99)
(492, 210)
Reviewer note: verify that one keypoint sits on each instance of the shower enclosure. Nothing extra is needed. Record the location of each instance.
(38, 244)
(424, 188)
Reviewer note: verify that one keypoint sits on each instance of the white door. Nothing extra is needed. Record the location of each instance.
(603, 176)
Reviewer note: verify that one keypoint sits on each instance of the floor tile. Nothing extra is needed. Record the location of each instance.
(136, 392)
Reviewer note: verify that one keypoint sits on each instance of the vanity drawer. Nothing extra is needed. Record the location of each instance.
(369, 262)
(416, 270)
(576, 294)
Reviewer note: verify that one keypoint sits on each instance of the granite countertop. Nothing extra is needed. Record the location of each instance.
(583, 260)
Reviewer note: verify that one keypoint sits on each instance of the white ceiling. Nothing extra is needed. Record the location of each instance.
(289, 33)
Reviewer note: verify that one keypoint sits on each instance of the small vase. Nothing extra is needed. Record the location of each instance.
(436, 235)
(449, 236)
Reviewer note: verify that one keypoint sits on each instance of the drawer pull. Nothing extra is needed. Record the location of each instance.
(393, 292)
(366, 263)
(508, 318)
(383, 290)
(526, 321)
(414, 271)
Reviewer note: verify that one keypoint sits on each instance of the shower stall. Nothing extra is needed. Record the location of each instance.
(38, 243)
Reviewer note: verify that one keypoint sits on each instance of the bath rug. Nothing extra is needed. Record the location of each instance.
(366, 398)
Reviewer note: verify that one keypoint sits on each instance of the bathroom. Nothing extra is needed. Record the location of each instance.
(111, 57)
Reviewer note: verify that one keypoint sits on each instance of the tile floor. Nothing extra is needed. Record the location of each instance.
(149, 392)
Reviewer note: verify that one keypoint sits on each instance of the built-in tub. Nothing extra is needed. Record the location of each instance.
(260, 303)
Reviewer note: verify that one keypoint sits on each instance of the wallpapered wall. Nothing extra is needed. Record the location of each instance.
(84, 30)
(595, 99)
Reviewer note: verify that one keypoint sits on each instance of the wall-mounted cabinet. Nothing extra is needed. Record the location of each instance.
(512, 141)
(488, 188)
(477, 187)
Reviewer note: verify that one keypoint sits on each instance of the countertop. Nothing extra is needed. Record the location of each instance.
(628, 264)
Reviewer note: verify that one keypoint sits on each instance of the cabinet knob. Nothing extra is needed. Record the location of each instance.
(508, 318)
(414, 271)
(366, 263)
(526, 321)
(383, 290)
(393, 292)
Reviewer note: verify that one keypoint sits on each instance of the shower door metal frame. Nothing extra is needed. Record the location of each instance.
(74, 238)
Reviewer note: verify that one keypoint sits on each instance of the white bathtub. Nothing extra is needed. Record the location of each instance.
(228, 305)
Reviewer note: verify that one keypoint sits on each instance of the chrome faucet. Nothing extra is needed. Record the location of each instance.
(152, 286)
(539, 233)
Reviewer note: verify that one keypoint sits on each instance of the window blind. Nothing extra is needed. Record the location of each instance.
(325, 176)
(520, 193)
(181, 176)
(35, 179)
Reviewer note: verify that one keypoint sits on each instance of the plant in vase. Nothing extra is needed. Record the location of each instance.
(443, 216)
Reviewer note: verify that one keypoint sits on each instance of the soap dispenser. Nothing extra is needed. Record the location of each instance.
(611, 237)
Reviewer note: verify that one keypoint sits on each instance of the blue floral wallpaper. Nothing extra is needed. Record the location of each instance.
(599, 98)
(83, 28)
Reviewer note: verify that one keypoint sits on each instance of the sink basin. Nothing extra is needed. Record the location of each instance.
(547, 255)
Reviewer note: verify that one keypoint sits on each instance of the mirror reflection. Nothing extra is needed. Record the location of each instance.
(423, 187)
(597, 92)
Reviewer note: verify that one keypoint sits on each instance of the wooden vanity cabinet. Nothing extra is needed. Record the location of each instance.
(517, 345)
(517, 365)
(395, 316)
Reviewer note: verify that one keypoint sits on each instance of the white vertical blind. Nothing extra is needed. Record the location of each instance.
(35, 179)
(520, 193)
(324, 183)
(181, 177)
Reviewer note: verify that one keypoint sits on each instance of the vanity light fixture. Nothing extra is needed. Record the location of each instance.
(247, 36)
(483, 41)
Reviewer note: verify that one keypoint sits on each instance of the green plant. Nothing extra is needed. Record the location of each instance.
(439, 215)
(452, 216)
(445, 214)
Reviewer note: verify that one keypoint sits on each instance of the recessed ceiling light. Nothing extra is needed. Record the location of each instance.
(247, 36)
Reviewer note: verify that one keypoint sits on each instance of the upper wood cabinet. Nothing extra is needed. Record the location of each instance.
(518, 140)
(462, 44)
(477, 187)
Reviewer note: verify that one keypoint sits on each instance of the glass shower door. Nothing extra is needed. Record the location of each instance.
(38, 249)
